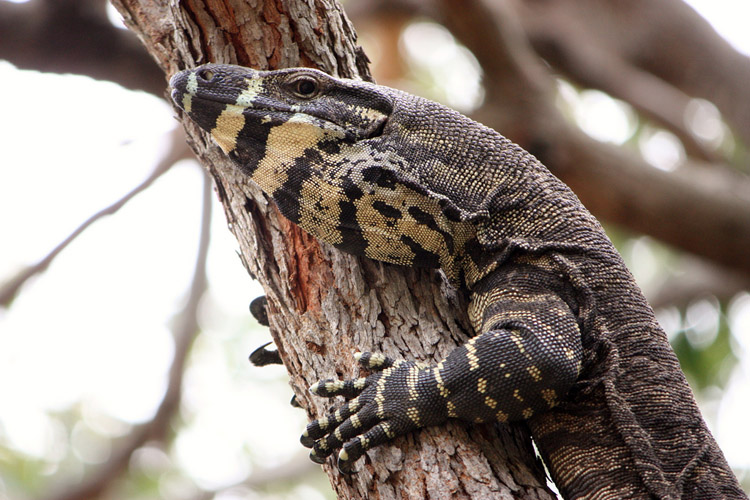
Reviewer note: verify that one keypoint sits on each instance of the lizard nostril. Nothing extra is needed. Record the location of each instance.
(206, 74)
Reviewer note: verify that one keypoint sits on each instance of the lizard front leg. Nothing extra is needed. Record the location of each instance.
(523, 362)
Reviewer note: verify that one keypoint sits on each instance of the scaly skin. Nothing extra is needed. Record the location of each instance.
(564, 338)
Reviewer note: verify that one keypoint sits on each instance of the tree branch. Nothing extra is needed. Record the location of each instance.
(75, 36)
(676, 45)
(568, 45)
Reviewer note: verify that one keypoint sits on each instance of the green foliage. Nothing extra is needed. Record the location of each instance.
(706, 354)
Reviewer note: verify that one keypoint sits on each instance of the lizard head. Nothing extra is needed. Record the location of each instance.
(341, 158)
(240, 107)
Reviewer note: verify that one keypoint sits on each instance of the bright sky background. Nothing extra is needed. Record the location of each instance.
(93, 330)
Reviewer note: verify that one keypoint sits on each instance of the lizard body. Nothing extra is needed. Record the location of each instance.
(565, 339)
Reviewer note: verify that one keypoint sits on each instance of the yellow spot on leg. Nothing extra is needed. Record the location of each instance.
(411, 381)
(356, 422)
(376, 359)
(388, 431)
(535, 373)
(482, 385)
(334, 386)
(550, 396)
(439, 379)
(413, 414)
(452, 410)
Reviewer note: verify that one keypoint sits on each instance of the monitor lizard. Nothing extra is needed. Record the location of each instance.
(564, 339)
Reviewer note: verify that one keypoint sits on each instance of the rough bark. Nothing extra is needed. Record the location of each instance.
(324, 305)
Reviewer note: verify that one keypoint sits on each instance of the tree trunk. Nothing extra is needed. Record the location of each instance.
(324, 305)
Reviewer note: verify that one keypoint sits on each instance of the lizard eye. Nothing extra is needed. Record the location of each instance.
(206, 74)
(305, 87)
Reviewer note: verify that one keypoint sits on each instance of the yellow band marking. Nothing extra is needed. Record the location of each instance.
(228, 125)
(439, 379)
(550, 396)
(387, 429)
(248, 96)
(192, 84)
(356, 422)
(413, 415)
(411, 383)
(451, 409)
(472, 356)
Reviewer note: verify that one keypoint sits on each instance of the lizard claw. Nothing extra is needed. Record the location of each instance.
(316, 458)
(306, 440)
(344, 465)
(259, 310)
(262, 356)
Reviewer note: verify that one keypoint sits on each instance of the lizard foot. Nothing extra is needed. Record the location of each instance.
(397, 398)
